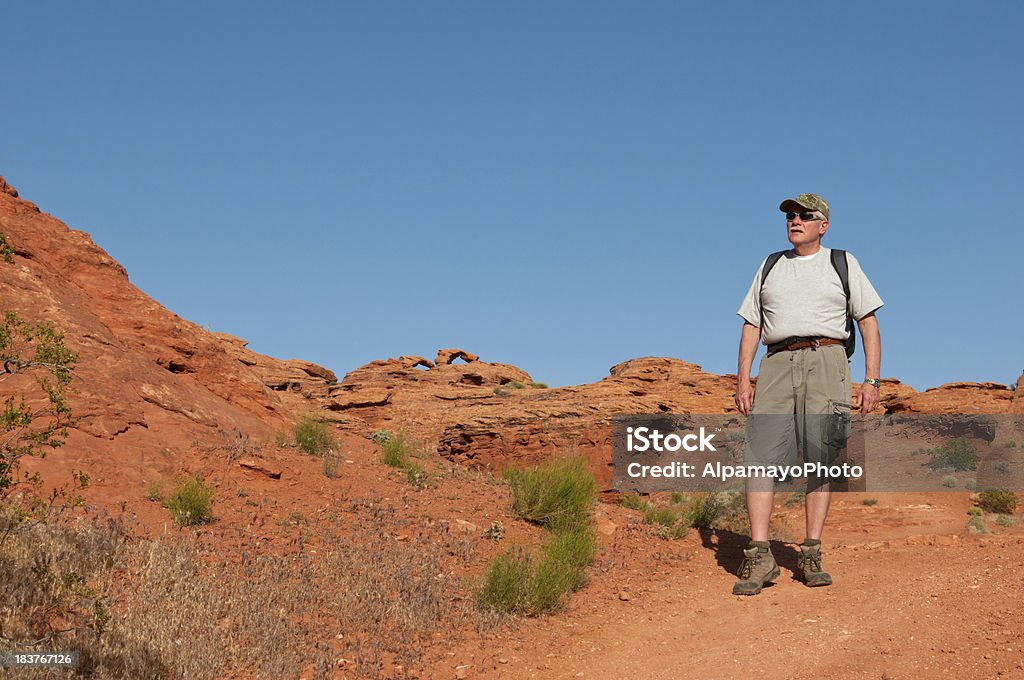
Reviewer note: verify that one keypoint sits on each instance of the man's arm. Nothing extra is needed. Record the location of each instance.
(744, 396)
(869, 396)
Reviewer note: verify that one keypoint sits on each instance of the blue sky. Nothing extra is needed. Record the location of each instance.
(560, 186)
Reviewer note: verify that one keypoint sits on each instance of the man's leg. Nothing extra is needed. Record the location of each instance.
(759, 507)
(759, 566)
(816, 504)
(828, 388)
(767, 435)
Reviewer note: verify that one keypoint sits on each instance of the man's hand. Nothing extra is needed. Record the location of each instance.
(744, 395)
(867, 398)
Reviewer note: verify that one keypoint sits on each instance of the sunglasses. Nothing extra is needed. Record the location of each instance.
(804, 216)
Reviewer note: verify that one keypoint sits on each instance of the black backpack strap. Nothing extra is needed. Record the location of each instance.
(769, 263)
(842, 267)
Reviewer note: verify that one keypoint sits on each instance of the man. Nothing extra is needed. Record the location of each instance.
(800, 312)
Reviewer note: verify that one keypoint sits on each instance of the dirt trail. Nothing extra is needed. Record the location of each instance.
(904, 605)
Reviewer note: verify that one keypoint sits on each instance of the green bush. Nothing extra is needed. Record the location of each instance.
(976, 525)
(190, 502)
(666, 517)
(956, 454)
(1011, 444)
(633, 501)
(974, 511)
(539, 385)
(870, 502)
(949, 481)
(417, 476)
(155, 491)
(518, 582)
(34, 415)
(998, 501)
(562, 566)
(704, 513)
(312, 436)
(1004, 520)
(514, 385)
(1003, 467)
(507, 583)
(971, 484)
(556, 494)
(395, 452)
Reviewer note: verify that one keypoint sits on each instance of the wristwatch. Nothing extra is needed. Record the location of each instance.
(874, 382)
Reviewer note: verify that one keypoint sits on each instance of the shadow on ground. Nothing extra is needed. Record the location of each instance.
(728, 548)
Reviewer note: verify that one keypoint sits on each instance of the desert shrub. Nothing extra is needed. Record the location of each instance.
(666, 517)
(1003, 467)
(976, 525)
(998, 501)
(417, 476)
(519, 582)
(6, 251)
(949, 481)
(514, 385)
(507, 583)
(633, 501)
(1004, 520)
(557, 493)
(956, 454)
(190, 502)
(703, 512)
(795, 498)
(331, 462)
(35, 371)
(155, 491)
(562, 566)
(678, 498)
(312, 436)
(1011, 444)
(870, 502)
(971, 484)
(669, 522)
(539, 385)
(395, 451)
(974, 511)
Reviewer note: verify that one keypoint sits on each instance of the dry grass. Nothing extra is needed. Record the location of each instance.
(176, 607)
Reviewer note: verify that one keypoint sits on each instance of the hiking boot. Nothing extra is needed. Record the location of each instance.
(810, 565)
(759, 567)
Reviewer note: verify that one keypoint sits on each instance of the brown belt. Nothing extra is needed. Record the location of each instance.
(791, 344)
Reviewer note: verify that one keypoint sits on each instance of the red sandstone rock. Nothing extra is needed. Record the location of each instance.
(7, 188)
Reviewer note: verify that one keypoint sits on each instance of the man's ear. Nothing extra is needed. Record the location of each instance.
(823, 228)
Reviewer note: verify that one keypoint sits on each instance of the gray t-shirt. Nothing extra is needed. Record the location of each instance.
(804, 297)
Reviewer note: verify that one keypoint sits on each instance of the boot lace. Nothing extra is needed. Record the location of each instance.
(747, 568)
(810, 562)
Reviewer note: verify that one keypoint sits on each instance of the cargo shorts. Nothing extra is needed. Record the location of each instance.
(801, 410)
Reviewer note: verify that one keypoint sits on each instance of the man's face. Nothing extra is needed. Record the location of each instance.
(803, 232)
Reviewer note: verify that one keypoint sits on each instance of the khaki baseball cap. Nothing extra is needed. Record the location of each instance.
(807, 201)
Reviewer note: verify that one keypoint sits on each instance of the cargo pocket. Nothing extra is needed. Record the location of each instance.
(837, 426)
